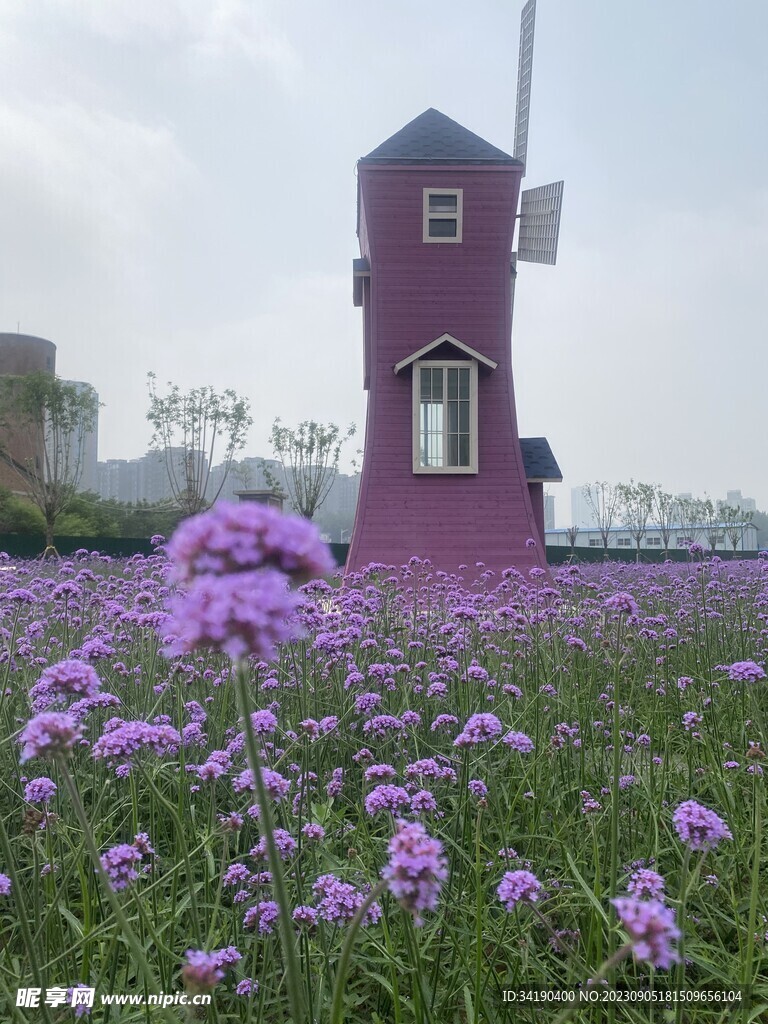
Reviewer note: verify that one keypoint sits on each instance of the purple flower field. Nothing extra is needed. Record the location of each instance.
(388, 798)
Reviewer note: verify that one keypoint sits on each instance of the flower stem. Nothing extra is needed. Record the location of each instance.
(292, 966)
(337, 1006)
(114, 902)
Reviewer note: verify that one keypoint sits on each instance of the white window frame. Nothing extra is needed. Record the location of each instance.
(446, 364)
(458, 216)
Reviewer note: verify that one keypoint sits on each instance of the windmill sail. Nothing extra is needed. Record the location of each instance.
(524, 69)
(540, 223)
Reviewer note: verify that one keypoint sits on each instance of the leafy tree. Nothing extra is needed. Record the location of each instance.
(19, 514)
(309, 455)
(666, 514)
(760, 519)
(603, 502)
(635, 507)
(188, 428)
(55, 417)
(734, 520)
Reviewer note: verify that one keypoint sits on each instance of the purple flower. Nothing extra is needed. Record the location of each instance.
(263, 722)
(416, 869)
(284, 841)
(479, 729)
(241, 614)
(518, 887)
(246, 987)
(236, 539)
(5, 885)
(423, 802)
(65, 679)
(645, 882)
(518, 741)
(202, 972)
(49, 735)
(263, 917)
(477, 788)
(651, 928)
(745, 671)
(306, 916)
(622, 602)
(120, 862)
(40, 791)
(386, 798)
(340, 901)
(316, 833)
(698, 826)
(120, 742)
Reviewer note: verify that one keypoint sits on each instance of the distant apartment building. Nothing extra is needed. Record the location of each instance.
(549, 511)
(84, 443)
(736, 500)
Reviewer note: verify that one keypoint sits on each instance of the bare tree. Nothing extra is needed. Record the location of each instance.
(603, 502)
(713, 527)
(666, 514)
(734, 520)
(188, 428)
(310, 458)
(54, 417)
(690, 516)
(572, 533)
(635, 507)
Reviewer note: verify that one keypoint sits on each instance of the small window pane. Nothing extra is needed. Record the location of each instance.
(426, 384)
(453, 417)
(442, 228)
(464, 383)
(442, 204)
(453, 382)
(463, 417)
(437, 385)
(463, 449)
(453, 450)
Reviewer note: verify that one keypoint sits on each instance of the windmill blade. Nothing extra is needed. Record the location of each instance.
(524, 70)
(540, 223)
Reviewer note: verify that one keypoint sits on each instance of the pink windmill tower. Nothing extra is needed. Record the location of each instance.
(445, 474)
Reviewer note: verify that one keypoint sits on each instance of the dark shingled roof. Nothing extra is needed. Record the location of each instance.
(434, 138)
(539, 461)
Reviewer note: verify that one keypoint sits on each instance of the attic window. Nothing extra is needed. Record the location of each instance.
(442, 214)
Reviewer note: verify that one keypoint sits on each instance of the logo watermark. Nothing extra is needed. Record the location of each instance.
(83, 996)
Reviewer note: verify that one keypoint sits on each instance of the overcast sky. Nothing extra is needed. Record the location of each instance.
(177, 194)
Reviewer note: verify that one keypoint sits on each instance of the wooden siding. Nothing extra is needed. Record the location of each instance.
(417, 292)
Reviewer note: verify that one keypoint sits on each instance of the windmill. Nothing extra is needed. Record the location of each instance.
(540, 207)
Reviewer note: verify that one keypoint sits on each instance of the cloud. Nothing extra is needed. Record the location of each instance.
(82, 191)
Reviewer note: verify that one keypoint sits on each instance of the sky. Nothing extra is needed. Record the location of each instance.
(177, 195)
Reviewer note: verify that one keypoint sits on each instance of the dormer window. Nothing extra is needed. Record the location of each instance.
(442, 214)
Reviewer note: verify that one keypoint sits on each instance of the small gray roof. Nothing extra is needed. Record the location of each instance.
(434, 138)
(539, 462)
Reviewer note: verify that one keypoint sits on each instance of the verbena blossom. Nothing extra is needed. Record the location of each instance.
(479, 729)
(263, 917)
(120, 742)
(340, 901)
(386, 798)
(416, 869)
(746, 671)
(622, 602)
(40, 791)
(247, 987)
(645, 882)
(699, 827)
(62, 680)
(239, 614)
(518, 887)
(120, 862)
(651, 928)
(519, 742)
(48, 735)
(234, 539)
(5, 885)
(202, 972)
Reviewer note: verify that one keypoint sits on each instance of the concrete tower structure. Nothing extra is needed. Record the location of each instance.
(20, 354)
